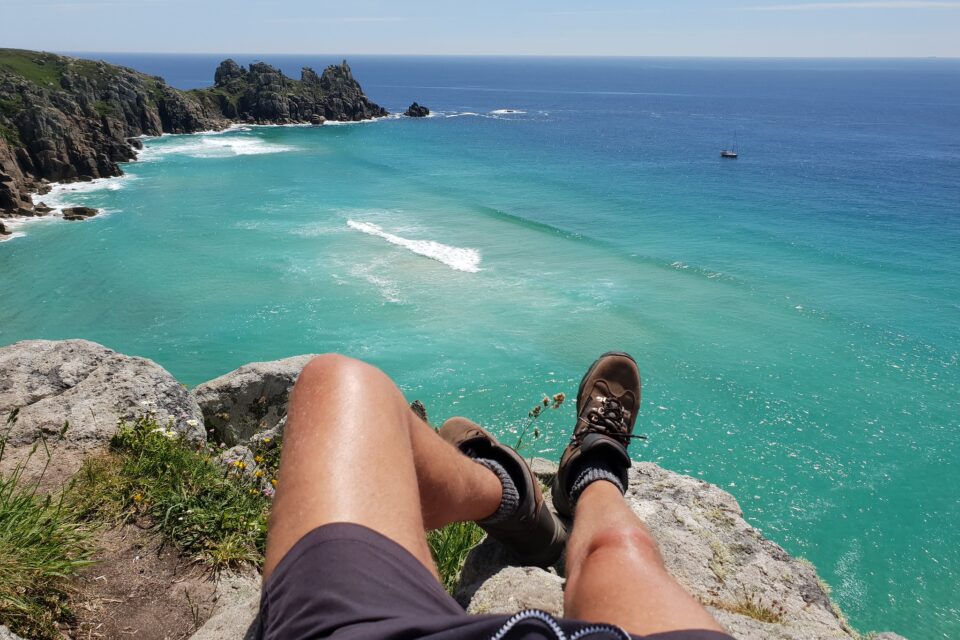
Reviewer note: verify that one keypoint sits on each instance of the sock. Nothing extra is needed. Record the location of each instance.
(510, 500)
(597, 470)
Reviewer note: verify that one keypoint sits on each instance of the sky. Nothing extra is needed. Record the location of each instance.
(724, 28)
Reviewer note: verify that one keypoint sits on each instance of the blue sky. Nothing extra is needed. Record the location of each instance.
(535, 27)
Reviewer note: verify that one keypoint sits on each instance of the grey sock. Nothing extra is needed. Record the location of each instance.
(592, 473)
(511, 497)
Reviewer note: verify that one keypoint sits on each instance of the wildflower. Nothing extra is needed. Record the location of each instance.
(258, 459)
(546, 401)
(269, 492)
(192, 423)
(267, 440)
(258, 473)
(273, 481)
(222, 445)
(253, 492)
(240, 464)
(138, 498)
(558, 399)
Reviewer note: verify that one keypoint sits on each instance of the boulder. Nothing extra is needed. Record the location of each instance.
(749, 583)
(42, 209)
(90, 388)
(79, 213)
(237, 606)
(416, 111)
(3, 230)
(6, 634)
(317, 120)
(250, 399)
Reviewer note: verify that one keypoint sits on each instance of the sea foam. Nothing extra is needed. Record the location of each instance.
(211, 146)
(456, 258)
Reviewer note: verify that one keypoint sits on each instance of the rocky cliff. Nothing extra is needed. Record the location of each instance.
(262, 94)
(64, 119)
(752, 585)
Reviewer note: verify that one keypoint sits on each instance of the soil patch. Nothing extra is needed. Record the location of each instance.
(140, 589)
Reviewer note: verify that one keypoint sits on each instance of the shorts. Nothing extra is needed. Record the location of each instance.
(348, 582)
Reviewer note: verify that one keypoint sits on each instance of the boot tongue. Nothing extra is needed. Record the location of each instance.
(613, 391)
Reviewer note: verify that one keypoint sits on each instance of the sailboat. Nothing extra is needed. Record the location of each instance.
(731, 153)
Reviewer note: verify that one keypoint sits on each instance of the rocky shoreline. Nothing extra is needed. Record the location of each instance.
(67, 119)
(751, 584)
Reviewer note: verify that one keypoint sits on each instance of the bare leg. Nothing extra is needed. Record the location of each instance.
(355, 452)
(615, 573)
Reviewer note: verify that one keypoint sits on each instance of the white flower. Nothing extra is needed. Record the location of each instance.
(192, 423)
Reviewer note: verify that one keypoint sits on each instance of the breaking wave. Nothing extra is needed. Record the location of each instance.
(456, 258)
(211, 146)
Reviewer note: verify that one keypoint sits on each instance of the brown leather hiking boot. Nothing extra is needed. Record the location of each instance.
(607, 405)
(534, 533)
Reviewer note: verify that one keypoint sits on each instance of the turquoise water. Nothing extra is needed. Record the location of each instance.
(795, 312)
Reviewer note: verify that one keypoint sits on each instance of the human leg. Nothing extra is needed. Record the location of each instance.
(615, 573)
(354, 452)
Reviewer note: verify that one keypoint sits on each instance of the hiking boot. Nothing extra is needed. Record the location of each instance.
(533, 532)
(607, 405)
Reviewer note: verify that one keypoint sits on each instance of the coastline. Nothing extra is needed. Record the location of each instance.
(55, 193)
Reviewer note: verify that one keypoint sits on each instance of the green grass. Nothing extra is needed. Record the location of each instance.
(11, 135)
(28, 65)
(106, 109)
(43, 541)
(450, 546)
(216, 516)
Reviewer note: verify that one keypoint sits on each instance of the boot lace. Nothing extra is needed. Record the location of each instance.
(611, 419)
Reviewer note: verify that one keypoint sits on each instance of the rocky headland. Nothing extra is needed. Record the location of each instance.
(751, 584)
(66, 119)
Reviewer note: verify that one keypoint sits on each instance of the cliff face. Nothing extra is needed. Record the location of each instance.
(263, 94)
(65, 119)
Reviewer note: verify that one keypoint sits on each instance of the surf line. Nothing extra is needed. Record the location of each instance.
(458, 258)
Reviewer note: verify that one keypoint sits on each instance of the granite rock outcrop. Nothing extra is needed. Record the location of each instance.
(47, 384)
(416, 110)
(249, 400)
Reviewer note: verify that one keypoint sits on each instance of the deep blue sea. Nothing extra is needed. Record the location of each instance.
(795, 312)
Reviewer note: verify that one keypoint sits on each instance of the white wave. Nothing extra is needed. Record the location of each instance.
(63, 194)
(211, 146)
(456, 258)
(508, 112)
(389, 116)
(461, 115)
(15, 234)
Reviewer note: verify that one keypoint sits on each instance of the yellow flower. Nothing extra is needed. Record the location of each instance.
(253, 492)
(258, 459)
(258, 473)
(273, 481)
(267, 440)
(138, 498)
(240, 464)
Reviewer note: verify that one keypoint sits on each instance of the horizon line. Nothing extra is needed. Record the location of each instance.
(504, 55)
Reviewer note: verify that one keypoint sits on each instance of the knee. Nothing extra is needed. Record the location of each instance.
(333, 368)
(629, 543)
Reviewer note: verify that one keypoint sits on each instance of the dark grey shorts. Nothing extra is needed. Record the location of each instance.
(349, 582)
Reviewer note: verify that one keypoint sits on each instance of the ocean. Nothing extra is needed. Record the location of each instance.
(795, 312)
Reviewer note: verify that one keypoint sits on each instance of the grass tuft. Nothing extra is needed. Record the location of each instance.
(753, 606)
(450, 546)
(42, 544)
